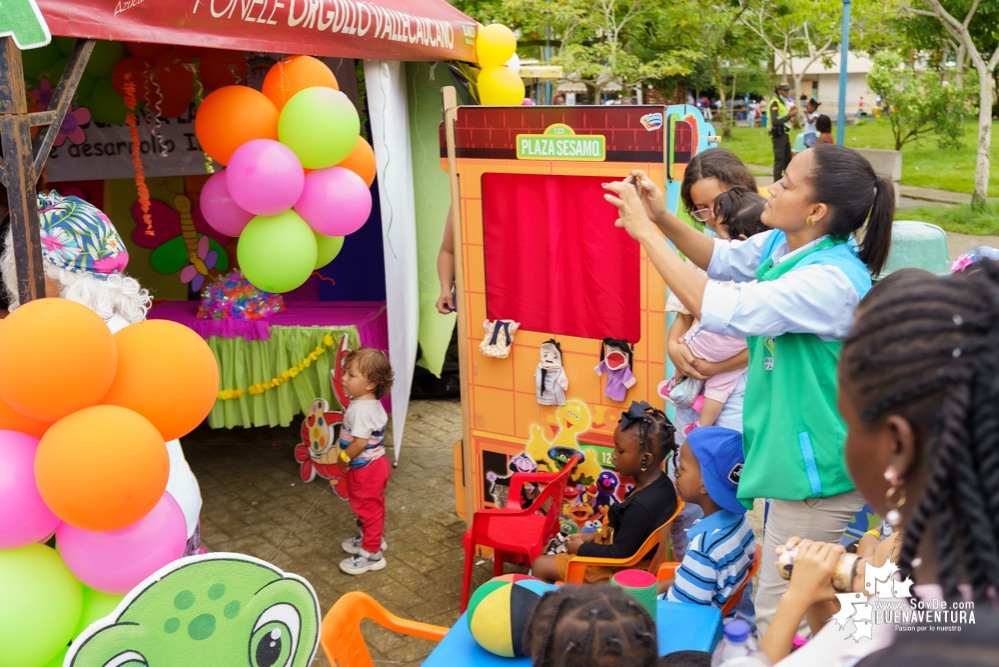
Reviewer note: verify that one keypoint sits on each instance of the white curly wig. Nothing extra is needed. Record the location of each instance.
(117, 295)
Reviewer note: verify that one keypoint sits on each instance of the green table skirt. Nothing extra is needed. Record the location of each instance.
(243, 363)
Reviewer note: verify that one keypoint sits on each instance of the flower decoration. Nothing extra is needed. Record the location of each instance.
(42, 95)
(286, 376)
(72, 126)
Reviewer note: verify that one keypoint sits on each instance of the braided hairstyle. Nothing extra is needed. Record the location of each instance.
(929, 352)
(590, 626)
(656, 433)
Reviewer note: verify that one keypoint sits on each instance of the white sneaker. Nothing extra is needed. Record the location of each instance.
(352, 545)
(363, 562)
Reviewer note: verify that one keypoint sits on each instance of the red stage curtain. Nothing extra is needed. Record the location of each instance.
(555, 262)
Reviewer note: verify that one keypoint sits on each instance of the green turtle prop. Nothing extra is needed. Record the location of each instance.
(214, 610)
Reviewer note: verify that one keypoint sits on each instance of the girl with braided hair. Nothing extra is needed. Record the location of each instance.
(644, 437)
(919, 391)
(590, 626)
(799, 284)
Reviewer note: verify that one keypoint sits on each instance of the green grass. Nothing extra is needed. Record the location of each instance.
(962, 219)
(924, 164)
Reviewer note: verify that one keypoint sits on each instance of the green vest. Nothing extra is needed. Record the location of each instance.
(781, 105)
(794, 435)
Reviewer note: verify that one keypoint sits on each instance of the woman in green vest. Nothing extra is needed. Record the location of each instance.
(801, 284)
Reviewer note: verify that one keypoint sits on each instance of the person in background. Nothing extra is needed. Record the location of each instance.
(810, 132)
(779, 115)
(823, 125)
(445, 268)
(558, 100)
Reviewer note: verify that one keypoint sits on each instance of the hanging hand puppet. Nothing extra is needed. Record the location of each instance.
(498, 338)
(549, 378)
(615, 361)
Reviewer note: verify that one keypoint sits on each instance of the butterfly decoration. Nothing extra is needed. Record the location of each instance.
(184, 242)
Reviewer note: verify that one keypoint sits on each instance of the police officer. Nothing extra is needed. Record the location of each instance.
(780, 114)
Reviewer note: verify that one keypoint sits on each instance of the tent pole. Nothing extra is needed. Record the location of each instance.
(23, 160)
(450, 118)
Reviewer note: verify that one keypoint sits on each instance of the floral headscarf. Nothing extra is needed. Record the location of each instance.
(78, 237)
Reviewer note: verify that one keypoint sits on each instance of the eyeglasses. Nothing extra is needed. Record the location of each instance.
(703, 214)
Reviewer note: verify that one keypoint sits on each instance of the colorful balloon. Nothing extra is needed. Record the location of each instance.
(221, 68)
(265, 177)
(102, 468)
(146, 51)
(104, 56)
(494, 45)
(24, 517)
(36, 60)
(291, 76)
(166, 373)
(171, 107)
(40, 603)
(105, 104)
(334, 201)
(33, 380)
(170, 73)
(138, 68)
(277, 253)
(117, 561)
(361, 161)
(320, 125)
(232, 116)
(219, 208)
(12, 420)
(500, 86)
(329, 247)
(96, 605)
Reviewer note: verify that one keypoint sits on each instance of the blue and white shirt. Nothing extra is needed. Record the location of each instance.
(718, 558)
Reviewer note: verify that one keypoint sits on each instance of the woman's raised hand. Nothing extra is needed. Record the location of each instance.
(632, 215)
(652, 196)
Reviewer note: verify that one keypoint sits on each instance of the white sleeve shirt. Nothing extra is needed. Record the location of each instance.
(815, 299)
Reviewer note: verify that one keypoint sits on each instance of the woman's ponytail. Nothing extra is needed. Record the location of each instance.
(877, 236)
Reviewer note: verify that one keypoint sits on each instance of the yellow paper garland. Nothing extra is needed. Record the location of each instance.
(261, 387)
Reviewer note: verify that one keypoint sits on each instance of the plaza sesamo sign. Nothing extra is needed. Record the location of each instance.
(560, 142)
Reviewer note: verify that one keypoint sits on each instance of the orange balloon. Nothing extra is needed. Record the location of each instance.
(102, 468)
(293, 75)
(166, 373)
(12, 420)
(34, 377)
(361, 161)
(230, 117)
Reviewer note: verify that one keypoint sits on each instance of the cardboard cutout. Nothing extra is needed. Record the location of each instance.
(215, 610)
(22, 20)
(320, 434)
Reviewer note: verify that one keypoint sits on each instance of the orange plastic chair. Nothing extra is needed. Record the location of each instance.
(668, 571)
(341, 630)
(516, 530)
(659, 537)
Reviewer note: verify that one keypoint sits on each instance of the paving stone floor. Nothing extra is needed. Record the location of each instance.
(255, 503)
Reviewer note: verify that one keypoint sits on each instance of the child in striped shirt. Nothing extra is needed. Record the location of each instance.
(722, 544)
(367, 376)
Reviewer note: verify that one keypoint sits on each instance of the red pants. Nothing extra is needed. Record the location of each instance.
(366, 488)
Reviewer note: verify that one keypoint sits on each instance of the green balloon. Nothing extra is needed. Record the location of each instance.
(36, 60)
(104, 57)
(320, 125)
(57, 661)
(105, 104)
(84, 89)
(40, 604)
(277, 253)
(54, 71)
(64, 44)
(96, 605)
(329, 248)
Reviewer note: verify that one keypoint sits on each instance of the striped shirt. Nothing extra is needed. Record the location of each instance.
(365, 420)
(720, 554)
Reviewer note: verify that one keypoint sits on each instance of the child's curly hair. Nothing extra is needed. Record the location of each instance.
(590, 626)
(374, 366)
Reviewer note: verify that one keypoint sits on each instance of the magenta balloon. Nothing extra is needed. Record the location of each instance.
(24, 516)
(335, 201)
(265, 177)
(117, 561)
(219, 208)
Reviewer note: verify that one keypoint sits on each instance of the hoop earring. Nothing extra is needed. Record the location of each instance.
(894, 499)
(810, 221)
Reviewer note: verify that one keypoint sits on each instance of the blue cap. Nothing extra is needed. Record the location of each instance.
(719, 451)
(737, 631)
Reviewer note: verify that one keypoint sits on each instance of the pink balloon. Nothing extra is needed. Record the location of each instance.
(219, 208)
(117, 561)
(265, 177)
(24, 516)
(335, 201)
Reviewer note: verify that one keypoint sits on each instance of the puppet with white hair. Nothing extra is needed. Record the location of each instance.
(84, 259)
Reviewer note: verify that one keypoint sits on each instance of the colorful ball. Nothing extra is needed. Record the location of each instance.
(499, 609)
(320, 125)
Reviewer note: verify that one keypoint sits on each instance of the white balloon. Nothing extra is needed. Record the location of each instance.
(513, 63)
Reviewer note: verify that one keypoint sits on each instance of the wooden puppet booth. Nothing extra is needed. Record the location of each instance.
(142, 88)
(562, 316)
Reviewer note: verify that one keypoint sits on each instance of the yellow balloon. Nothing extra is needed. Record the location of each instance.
(500, 86)
(494, 45)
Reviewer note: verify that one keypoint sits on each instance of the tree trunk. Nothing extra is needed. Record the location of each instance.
(720, 85)
(981, 191)
(728, 129)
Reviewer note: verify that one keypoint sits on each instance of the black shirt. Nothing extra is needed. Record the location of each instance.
(635, 519)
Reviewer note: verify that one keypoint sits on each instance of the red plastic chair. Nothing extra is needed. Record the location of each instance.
(514, 530)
